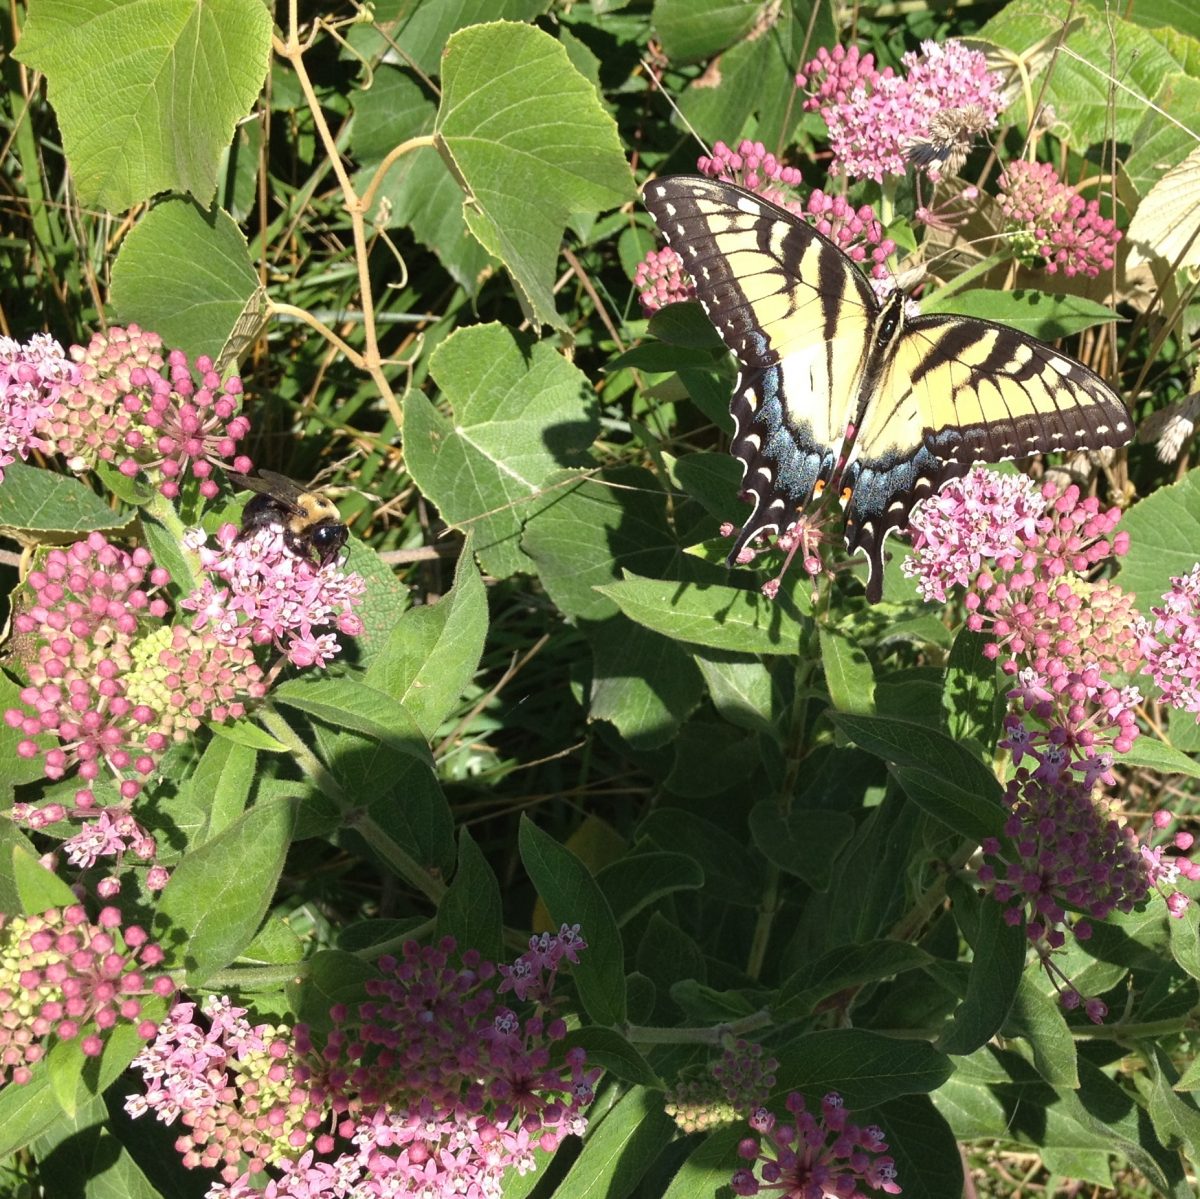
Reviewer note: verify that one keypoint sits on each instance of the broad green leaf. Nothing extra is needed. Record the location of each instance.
(196, 309)
(347, 703)
(519, 413)
(532, 147)
(573, 897)
(929, 1163)
(433, 650)
(14, 769)
(419, 30)
(82, 1147)
(732, 873)
(147, 94)
(1148, 751)
(471, 910)
(740, 687)
(709, 1166)
(1040, 314)
(1039, 1020)
(27, 1111)
(333, 976)
(39, 889)
(686, 326)
(804, 842)
(1163, 137)
(1079, 1165)
(711, 758)
(971, 705)
(667, 959)
(244, 732)
(64, 1066)
(710, 615)
(1175, 1116)
(218, 894)
(222, 782)
(33, 500)
(634, 882)
(619, 1151)
(846, 966)
(1164, 539)
(1185, 940)
(691, 30)
(863, 1067)
(848, 673)
(644, 684)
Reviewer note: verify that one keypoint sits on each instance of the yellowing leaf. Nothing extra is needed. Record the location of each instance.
(1167, 222)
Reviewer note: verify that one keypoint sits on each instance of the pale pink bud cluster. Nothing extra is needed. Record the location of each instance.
(105, 832)
(1052, 221)
(876, 119)
(661, 280)
(739, 1081)
(264, 594)
(428, 1088)
(64, 977)
(148, 414)
(90, 604)
(814, 1157)
(32, 376)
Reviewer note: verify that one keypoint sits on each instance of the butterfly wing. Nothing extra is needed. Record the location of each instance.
(959, 391)
(797, 315)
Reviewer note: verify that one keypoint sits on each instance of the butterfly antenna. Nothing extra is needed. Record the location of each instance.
(653, 75)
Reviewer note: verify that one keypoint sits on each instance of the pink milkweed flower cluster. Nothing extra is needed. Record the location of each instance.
(811, 1157)
(1066, 863)
(660, 279)
(1052, 221)
(108, 679)
(1170, 643)
(64, 977)
(880, 122)
(32, 376)
(856, 231)
(261, 593)
(738, 1081)
(428, 1088)
(148, 413)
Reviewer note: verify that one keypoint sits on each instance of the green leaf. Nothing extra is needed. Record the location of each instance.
(1155, 755)
(197, 309)
(33, 500)
(732, 874)
(217, 897)
(1040, 314)
(609, 1049)
(347, 703)
(711, 615)
(863, 1067)
(740, 687)
(709, 1166)
(1185, 940)
(691, 30)
(39, 889)
(147, 94)
(519, 414)
(996, 968)
(408, 804)
(804, 842)
(1164, 533)
(1163, 137)
(222, 782)
(970, 697)
(685, 325)
(27, 1111)
(846, 966)
(929, 1163)
(573, 897)
(1040, 1020)
(848, 673)
(433, 651)
(619, 1151)
(471, 911)
(14, 769)
(244, 732)
(1175, 1117)
(632, 883)
(532, 147)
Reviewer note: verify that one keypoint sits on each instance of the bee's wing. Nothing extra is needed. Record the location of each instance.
(278, 487)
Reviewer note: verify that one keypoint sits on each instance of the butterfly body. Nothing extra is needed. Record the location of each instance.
(836, 389)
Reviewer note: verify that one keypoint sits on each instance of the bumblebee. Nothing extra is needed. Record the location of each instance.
(311, 524)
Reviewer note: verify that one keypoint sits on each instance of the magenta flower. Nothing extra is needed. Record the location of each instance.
(271, 596)
(1051, 221)
(661, 280)
(1170, 643)
(429, 1088)
(31, 378)
(811, 1158)
(66, 978)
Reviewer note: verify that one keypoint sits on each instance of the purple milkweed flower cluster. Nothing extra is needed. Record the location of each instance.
(810, 1157)
(880, 122)
(32, 376)
(1052, 221)
(261, 593)
(108, 679)
(162, 415)
(738, 1081)
(64, 977)
(428, 1088)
